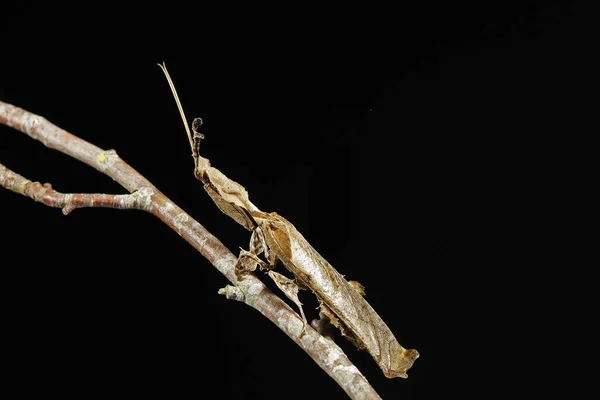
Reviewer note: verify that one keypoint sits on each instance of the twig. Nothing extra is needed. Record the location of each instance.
(69, 201)
(146, 197)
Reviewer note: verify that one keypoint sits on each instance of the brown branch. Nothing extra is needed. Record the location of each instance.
(69, 201)
(250, 289)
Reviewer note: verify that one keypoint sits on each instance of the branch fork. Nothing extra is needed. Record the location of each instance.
(146, 197)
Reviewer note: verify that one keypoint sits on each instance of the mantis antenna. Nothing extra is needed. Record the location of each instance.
(163, 66)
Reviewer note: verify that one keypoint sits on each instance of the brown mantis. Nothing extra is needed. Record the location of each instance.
(341, 301)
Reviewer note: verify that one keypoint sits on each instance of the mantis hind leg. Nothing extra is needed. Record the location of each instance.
(290, 288)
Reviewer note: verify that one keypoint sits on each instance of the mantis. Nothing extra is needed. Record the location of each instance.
(341, 301)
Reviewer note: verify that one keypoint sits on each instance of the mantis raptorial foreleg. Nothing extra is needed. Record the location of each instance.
(259, 245)
(248, 260)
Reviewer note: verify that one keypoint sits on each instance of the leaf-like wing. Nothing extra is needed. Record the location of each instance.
(333, 290)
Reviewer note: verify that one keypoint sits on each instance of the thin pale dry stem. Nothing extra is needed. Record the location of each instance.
(176, 96)
(250, 289)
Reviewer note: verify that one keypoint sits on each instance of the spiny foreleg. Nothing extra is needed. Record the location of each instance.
(248, 260)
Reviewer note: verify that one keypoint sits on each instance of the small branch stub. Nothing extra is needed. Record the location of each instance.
(232, 293)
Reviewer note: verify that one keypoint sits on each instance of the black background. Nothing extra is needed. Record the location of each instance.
(440, 155)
